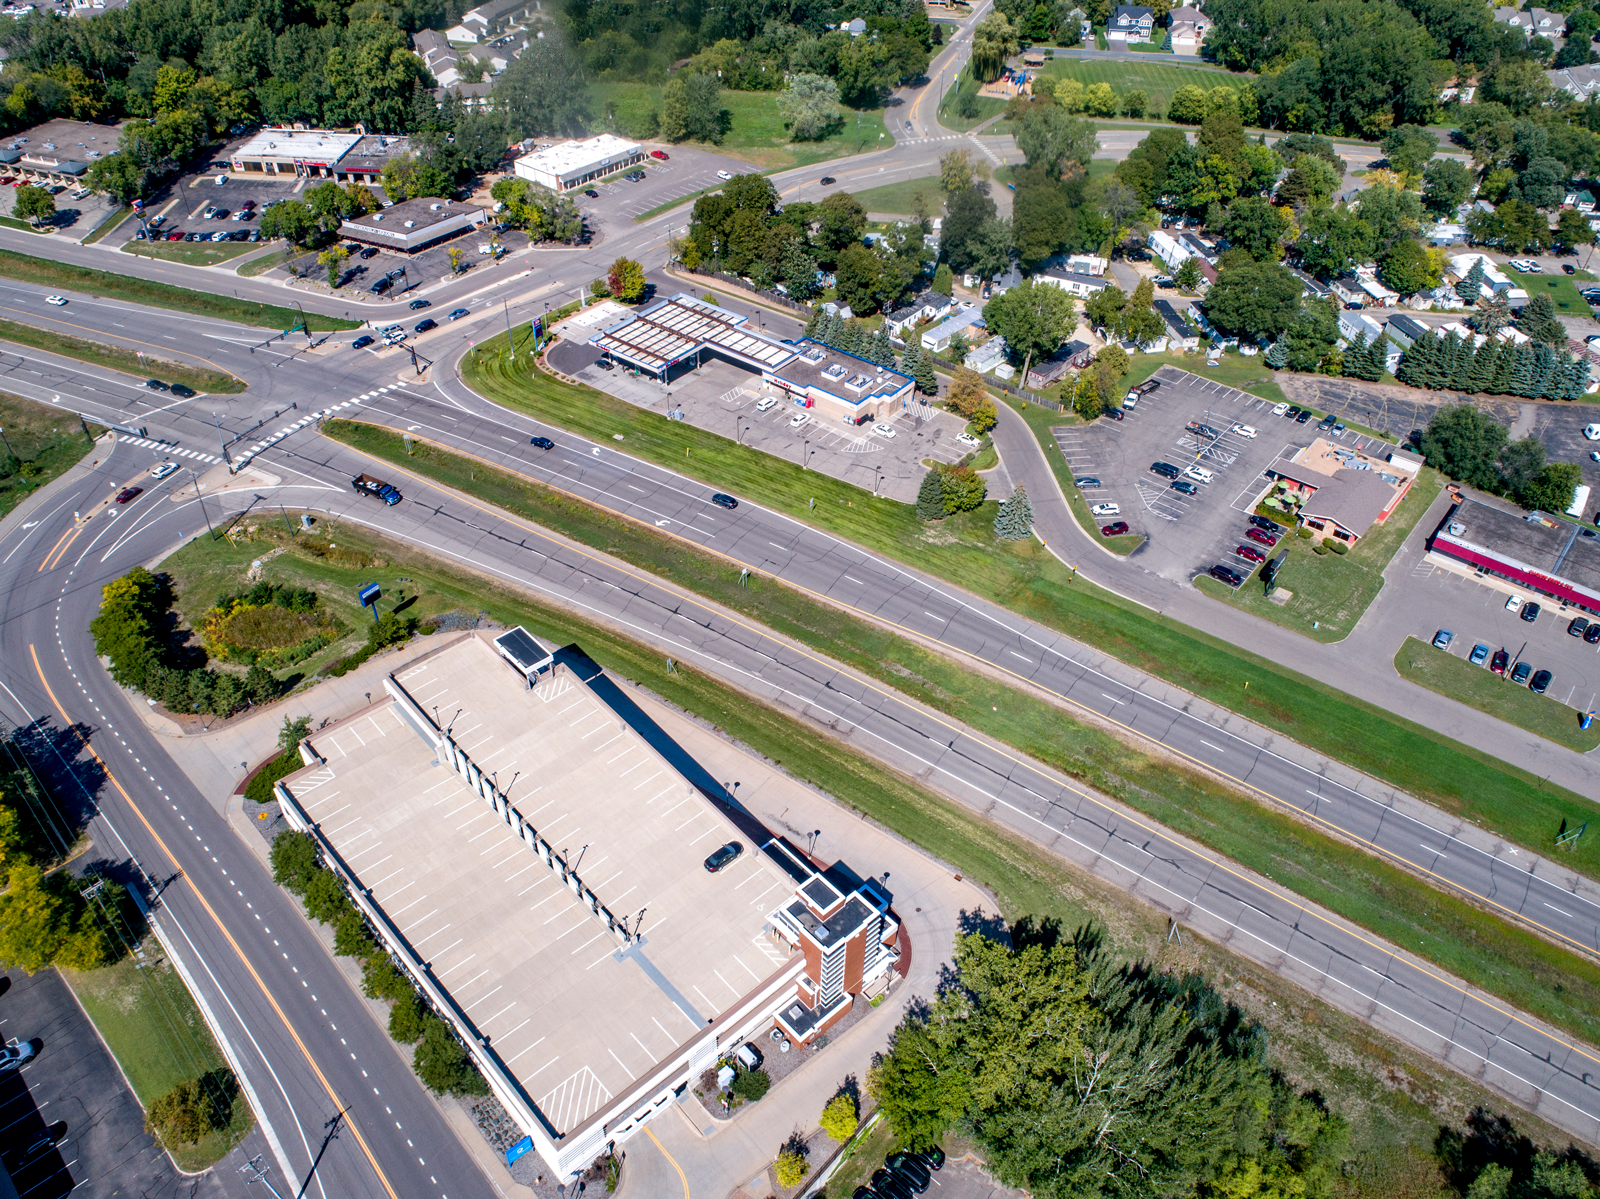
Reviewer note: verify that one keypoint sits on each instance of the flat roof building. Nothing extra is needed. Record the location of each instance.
(541, 880)
(1548, 554)
(413, 225)
(318, 153)
(575, 164)
(59, 150)
(682, 328)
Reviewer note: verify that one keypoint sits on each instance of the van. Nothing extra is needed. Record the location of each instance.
(1199, 474)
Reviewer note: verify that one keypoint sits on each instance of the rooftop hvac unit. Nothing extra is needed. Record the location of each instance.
(411, 224)
(1456, 528)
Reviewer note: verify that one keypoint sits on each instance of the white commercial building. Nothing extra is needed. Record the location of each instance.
(575, 164)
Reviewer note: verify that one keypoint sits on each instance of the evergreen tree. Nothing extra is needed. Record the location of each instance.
(908, 360)
(1544, 368)
(1461, 355)
(1417, 364)
(1484, 364)
(1014, 521)
(1504, 369)
(927, 382)
(1540, 322)
(882, 348)
(1277, 356)
(1471, 287)
(1521, 380)
(930, 498)
(1494, 316)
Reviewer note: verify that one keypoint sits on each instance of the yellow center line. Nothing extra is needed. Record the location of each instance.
(51, 551)
(1155, 831)
(210, 911)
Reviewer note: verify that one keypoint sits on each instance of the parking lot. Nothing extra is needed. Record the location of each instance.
(1432, 596)
(730, 401)
(687, 171)
(1186, 534)
(74, 218)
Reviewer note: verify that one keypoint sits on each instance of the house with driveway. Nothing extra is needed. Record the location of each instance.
(1130, 23)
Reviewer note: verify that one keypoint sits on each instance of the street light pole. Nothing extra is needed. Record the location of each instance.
(202, 502)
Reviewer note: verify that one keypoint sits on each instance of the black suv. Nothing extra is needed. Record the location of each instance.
(1223, 575)
(1165, 469)
(1261, 522)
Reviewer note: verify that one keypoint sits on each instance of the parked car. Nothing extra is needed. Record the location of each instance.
(1497, 664)
(720, 859)
(1184, 487)
(591, 193)
(968, 440)
(1568, 269)
(1261, 522)
(884, 430)
(1480, 653)
(1249, 553)
(916, 1175)
(1280, 409)
(932, 1157)
(1165, 469)
(723, 500)
(1513, 603)
(1261, 537)
(1225, 575)
(1086, 481)
(1521, 673)
(1304, 417)
(369, 252)
(1592, 633)
(1115, 529)
(1443, 638)
(1245, 431)
(661, 154)
(1540, 680)
(12, 1056)
(798, 419)
(1112, 414)
(1106, 510)
(766, 403)
(1530, 612)
(723, 175)
(1578, 627)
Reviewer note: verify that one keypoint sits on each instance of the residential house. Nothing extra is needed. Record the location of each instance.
(489, 19)
(929, 306)
(1073, 283)
(987, 356)
(1173, 249)
(471, 95)
(1181, 335)
(1311, 288)
(1579, 82)
(1405, 330)
(438, 55)
(1536, 22)
(1352, 325)
(1073, 356)
(964, 322)
(1494, 279)
(1004, 283)
(854, 28)
(1130, 23)
(1189, 29)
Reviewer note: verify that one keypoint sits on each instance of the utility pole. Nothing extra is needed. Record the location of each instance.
(7, 440)
(253, 1172)
(202, 500)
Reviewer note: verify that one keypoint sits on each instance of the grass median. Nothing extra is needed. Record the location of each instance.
(1478, 687)
(63, 276)
(1021, 575)
(154, 1030)
(118, 358)
(190, 253)
(45, 443)
(1480, 946)
(1369, 1078)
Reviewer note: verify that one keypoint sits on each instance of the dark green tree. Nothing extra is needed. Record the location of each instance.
(1465, 444)
(1471, 285)
(930, 496)
(1014, 520)
(1540, 322)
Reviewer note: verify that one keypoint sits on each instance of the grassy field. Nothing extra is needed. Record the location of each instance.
(1024, 577)
(1157, 79)
(64, 277)
(1357, 1072)
(1560, 289)
(1479, 687)
(118, 358)
(898, 199)
(1331, 591)
(156, 1033)
(264, 263)
(1393, 904)
(756, 133)
(191, 253)
(46, 441)
(988, 106)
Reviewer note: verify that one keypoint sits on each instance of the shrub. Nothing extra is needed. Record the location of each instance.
(1320, 548)
(350, 938)
(751, 1084)
(405, 1020)
(442, 1063)
(1302, 531)
(324, 897)
(193, 1108)
(294, 861)
(259, 789)
(839, 1118)
(1337, 547)
(789, 1169)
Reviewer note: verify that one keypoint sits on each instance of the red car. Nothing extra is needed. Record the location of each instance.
(1498, 662)
(1249, 555)
(1115, 529)
(129, 493)
(1261, 538)
(661, 154)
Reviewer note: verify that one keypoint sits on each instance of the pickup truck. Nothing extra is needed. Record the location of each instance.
(377, 488)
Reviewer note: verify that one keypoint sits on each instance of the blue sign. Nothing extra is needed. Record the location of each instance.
(517, 1150)
(369, 594)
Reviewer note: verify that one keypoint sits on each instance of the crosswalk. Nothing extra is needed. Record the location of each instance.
(268, 442)
(170, 451)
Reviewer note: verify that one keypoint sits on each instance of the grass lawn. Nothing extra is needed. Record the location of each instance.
(1024, 577)
(118, 358)
(861, 1160)
(897, 198)
(1232, 370)
(61, 276)
(263, 264)
(1478, 687)
(1560, 289)
(1158, 78)
(46, 440)
(156, 1033)
(191, 253)
(107, 225)
(1344, 877)
(988, 106)
(25, 226)
(757, 133)
(1331, 591)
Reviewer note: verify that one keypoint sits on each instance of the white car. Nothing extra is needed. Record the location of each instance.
(798, 419)
(766, 403)
(162, 471)
(1245, 431)
(1592, 432)
(58, 301)
(884, 431)
(1279, 409)
(1106, 510)
(724, 175)
(968, 440)
(1513, 603)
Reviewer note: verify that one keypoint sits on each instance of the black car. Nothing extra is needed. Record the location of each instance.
(1086, 481)
(828, 181)
(723, 500)
(906, 1165)
(1521, 673)
(544, 443)
(155, 385)
(1293, 413)
(369, 252)
(1261, 522)
(1165, 469)
(1530, 612)
(1540, 680)
(425, 324)
(1114, 413)
(591, 193)
(1303, 417)
(361, 342)
(723, 857)
(178, 389)
(1568, 268)
(381, 286)
(932, 1157)
(1223, 575)
(416, 304)
(1325, 423)
(890, 1185)
(1185, 487)
(1592, 633)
